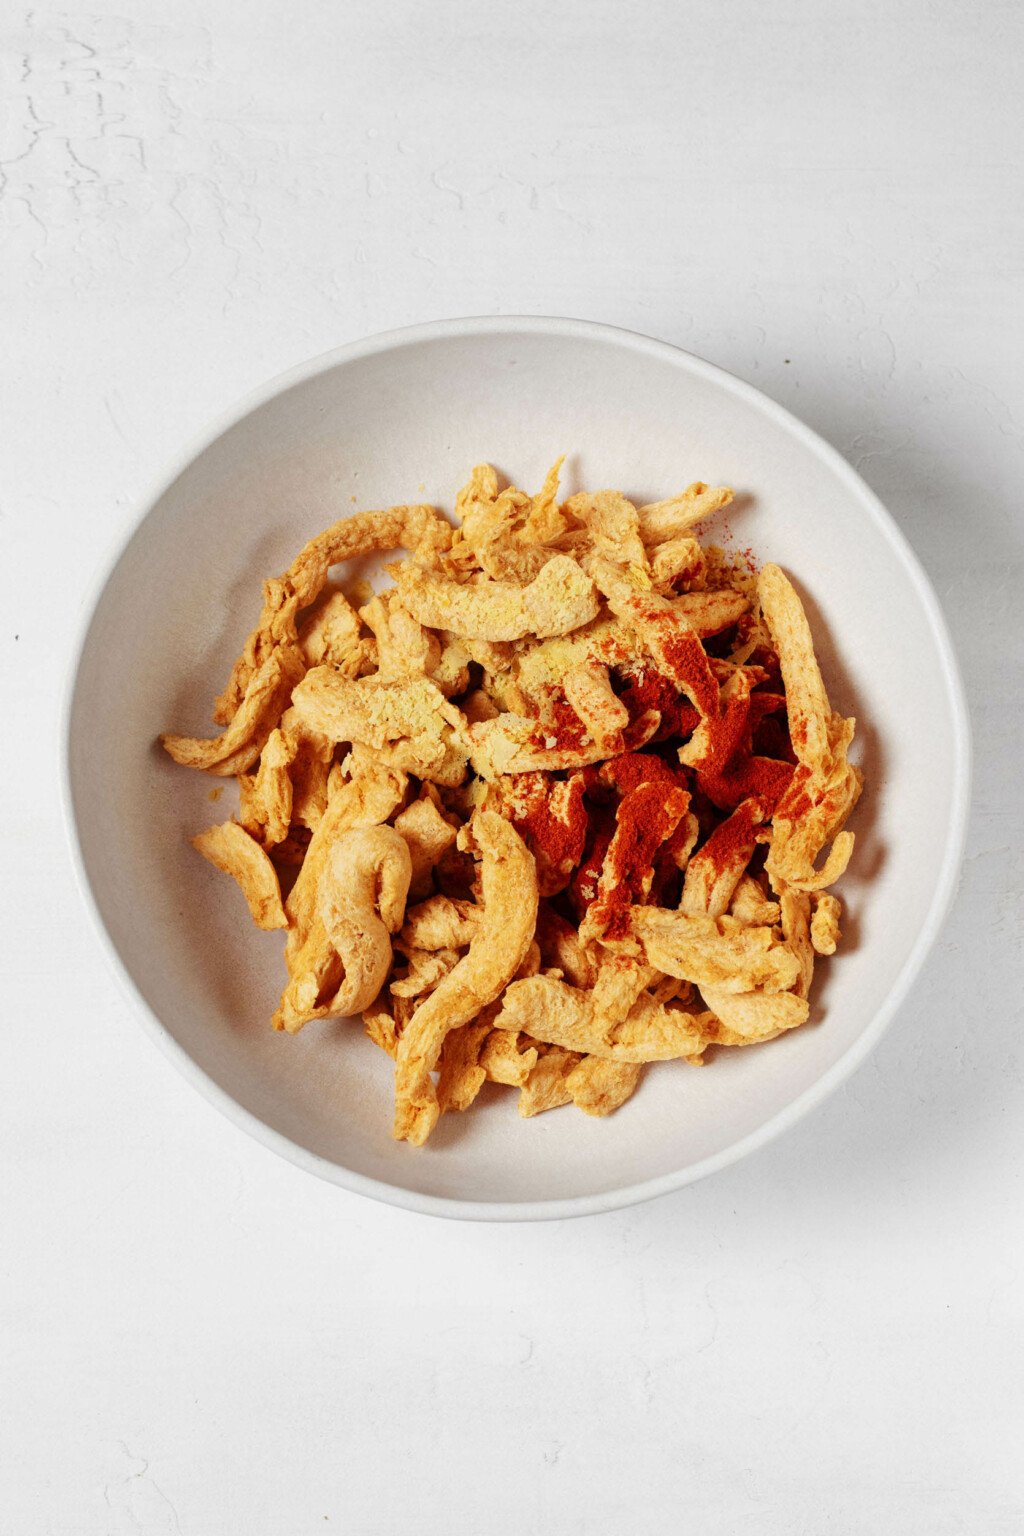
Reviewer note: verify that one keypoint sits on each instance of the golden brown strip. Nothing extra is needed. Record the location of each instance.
(229, 847)
(547, 1086)
(461, 1076)
(237, 748)
(715, 870)
(553, 1012)
(825, 786)
(672, 519)
(362, 533)
(265, 808)
(825, 923)
(314, 969)
(361, 903)
(559, 599)
(598, 1087)
(750, 1018)
(496, 951)
(719, 952)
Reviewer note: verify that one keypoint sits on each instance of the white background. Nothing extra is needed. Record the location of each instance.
(200, 1339)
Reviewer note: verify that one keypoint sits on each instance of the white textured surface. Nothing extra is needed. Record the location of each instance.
(198, 1338)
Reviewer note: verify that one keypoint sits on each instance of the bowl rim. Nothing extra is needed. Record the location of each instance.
(942, 896)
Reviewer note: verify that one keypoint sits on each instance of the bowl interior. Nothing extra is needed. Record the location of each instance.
(405, 421)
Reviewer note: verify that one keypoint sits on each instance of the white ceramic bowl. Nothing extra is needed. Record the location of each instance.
(402, 417)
